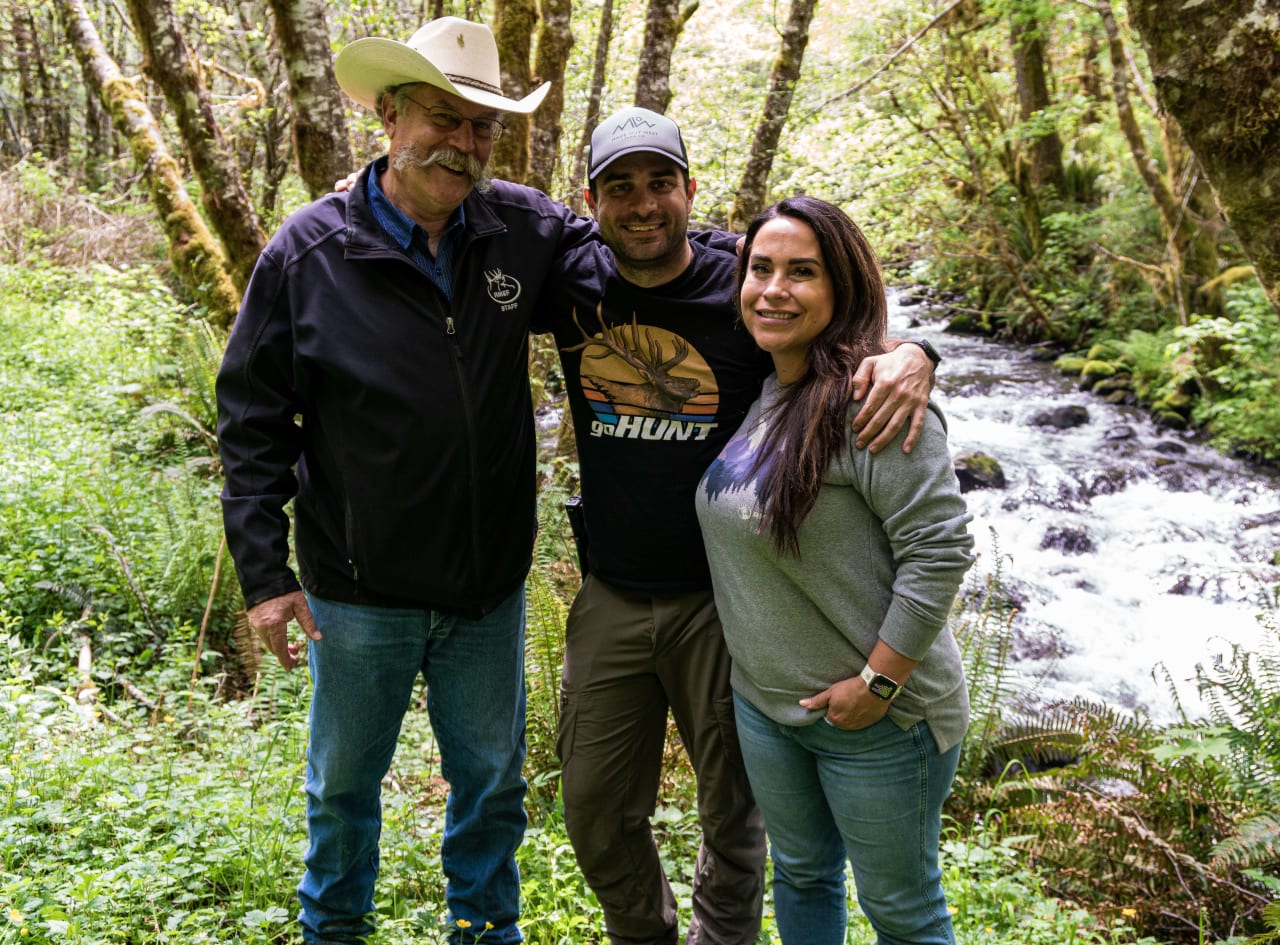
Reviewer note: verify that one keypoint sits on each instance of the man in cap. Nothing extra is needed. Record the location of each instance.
(659, 375)
(377, 377)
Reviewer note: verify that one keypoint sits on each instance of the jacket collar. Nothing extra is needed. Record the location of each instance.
(365, 234)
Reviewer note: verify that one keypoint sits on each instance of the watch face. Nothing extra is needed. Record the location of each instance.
(883, 687)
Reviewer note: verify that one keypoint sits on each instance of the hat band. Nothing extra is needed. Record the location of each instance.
(473, 83)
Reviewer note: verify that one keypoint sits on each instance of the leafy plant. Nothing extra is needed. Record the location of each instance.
(1236, 360)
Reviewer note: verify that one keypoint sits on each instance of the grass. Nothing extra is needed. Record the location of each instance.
(188, 827)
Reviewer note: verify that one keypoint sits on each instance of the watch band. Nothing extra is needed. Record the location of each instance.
(929, 350)
(880, 685)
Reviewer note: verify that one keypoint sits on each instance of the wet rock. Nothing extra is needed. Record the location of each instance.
(977, 470)
(1121, 432)
(1170, 448)
(1062, 418)
(1043, 353)
(1043, 646)
(1182, 587)
(1070, 365)
(1109, 482)
(1094, 372)
(1178, 477)
(1067, 539)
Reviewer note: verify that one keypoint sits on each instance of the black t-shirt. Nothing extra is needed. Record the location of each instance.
(658, 379)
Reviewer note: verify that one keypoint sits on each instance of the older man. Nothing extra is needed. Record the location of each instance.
(377, 376)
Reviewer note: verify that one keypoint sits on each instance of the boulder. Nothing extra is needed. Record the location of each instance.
(977, 470)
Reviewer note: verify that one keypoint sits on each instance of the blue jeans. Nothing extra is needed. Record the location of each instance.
(874, 796)
(363, 673)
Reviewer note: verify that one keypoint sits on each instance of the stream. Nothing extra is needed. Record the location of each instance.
(1133, 552)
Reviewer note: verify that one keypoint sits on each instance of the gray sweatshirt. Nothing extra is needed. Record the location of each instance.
(882, 554)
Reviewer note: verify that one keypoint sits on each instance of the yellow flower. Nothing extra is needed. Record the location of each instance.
(16, 917)
(463, 924)
(488, 926)
(1128, 913)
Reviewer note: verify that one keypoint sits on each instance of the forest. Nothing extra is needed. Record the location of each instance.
(1092, 181)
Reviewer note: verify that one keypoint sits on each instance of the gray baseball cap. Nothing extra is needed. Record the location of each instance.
(631, 130)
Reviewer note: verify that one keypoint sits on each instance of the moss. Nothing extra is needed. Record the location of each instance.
(1177, 401)
(196, 256)
(1103, 351)
(1119, 382)
(1070, 365)
(1095, 371)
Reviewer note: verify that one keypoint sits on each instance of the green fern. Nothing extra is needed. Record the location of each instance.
(547, 591)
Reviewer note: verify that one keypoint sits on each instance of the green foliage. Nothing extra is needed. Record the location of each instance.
(110, 512)
(1235, 359)
(1242, 694)
(996, 897)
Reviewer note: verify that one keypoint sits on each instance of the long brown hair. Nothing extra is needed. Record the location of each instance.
(810, 425)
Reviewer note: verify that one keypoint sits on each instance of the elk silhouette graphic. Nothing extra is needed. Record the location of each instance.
(659, 391)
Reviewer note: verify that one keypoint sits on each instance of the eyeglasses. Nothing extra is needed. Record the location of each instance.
(446, 119)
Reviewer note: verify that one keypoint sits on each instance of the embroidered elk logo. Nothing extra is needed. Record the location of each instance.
(659, 391)
(502, 288)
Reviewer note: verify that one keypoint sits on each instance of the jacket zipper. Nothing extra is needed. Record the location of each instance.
(473, 463)
(351, 544)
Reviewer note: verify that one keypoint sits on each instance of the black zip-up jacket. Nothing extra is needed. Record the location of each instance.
(399, 422)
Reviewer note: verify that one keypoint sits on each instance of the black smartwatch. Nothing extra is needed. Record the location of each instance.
(929, 350)
(879, 684)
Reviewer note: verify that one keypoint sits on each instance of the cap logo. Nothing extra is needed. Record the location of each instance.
(462, 43)
(633, 122)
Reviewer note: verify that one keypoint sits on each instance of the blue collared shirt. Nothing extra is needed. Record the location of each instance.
(412, 238)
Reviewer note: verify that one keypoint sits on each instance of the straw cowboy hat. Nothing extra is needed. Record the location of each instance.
(452, 54)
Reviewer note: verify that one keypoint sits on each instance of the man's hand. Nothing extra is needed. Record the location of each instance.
(899, 384)
(346, 183)
(270, 620)
(849, 705)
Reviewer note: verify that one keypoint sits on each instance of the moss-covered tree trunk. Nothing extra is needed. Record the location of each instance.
(514, 22)
(663, 21)
(555, 41)
(196, 256)
(604, 36)
(1192, 258)
(320, 140)
(753, 187)
(1217, 72)
(170, 64)
(1029, 54)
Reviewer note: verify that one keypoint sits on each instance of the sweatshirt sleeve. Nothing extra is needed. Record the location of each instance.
(577, 257)
(917, 497)
(259, 436)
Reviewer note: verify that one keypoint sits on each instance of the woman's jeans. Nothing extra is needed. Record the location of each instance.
(873, 795)
(363, 673)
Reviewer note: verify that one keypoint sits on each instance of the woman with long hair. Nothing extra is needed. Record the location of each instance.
(835, 570)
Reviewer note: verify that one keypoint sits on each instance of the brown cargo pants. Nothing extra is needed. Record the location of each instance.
(629, 658)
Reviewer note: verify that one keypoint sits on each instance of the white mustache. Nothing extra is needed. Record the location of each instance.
(412, 156)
